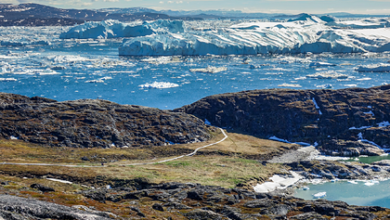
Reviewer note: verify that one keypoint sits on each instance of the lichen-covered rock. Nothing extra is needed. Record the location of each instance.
(94, 123)
(305, 115)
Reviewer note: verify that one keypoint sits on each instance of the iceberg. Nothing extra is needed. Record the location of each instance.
(115, 29)
(382, 67)
(307, 34)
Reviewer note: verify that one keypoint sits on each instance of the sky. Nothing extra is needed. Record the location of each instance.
(266, 6)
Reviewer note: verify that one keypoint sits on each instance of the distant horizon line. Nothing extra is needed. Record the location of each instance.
(205, 10)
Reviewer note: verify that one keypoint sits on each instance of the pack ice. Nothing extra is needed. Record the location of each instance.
(306, 33)
(115, 29)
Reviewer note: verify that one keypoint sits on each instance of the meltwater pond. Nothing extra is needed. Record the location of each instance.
(79, 69)
(377, 194)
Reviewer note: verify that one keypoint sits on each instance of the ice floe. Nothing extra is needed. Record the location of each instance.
(290, 85)
(209, 69)
(8, 80)
(382, 67)
(159, 85)
(328, 75)
(321, 64)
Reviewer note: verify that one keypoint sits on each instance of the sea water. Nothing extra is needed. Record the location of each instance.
(93, 70)
(354, 194)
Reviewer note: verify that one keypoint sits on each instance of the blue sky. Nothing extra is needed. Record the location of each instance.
(267, 6)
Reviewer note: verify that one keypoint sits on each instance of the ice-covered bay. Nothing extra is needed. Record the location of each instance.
(68, 69)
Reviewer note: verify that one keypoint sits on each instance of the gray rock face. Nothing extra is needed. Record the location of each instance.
(12, 207)
(94, 123)
(304, 115)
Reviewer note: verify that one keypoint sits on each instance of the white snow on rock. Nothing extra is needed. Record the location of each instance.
(382, 67)
(158, 85)
(278, 182)
(115, 29)
(305, 34)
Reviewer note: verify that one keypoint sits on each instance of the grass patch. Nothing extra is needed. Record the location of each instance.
(177, 164)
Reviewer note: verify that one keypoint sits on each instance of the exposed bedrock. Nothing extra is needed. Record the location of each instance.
(343, 122)
(94, 123)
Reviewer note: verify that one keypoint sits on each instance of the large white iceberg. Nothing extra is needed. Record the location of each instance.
(115, 29)
(312, 35)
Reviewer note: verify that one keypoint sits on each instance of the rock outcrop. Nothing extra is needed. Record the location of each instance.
(13, 207)
(94, 123)
(336, 119)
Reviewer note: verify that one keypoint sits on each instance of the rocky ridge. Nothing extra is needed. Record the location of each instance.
(94, 123)
(345, 122)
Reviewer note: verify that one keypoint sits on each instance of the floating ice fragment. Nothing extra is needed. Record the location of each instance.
(328, 75)
(321, 64)
(325, 86)
(209, 69)
(8, 79)
(159, 85)
(290, 85)
(382, 67)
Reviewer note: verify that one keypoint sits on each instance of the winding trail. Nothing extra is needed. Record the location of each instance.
(132, 164)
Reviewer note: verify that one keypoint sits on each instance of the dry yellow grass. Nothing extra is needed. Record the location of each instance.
(225, 164)
(244, 146)
(210, 170)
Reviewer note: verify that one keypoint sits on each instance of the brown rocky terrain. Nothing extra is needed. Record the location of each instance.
(175, 201)
(342, 122)
(94, 123)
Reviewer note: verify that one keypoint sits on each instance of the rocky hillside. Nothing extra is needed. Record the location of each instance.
(342, 122)
(94, 123)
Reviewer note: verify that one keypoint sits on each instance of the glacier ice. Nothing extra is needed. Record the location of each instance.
(115, 29)
(308, 34)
